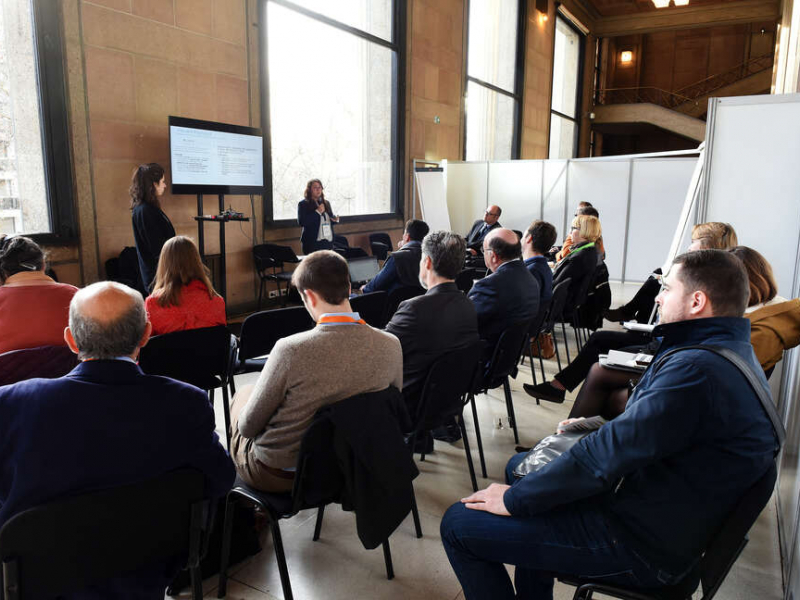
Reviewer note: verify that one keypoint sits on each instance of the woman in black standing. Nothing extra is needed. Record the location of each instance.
(151, 227)
(315, 216)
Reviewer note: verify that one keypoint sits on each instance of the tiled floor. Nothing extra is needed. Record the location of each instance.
(338, 567)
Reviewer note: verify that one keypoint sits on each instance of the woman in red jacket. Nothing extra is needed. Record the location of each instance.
(183, 297)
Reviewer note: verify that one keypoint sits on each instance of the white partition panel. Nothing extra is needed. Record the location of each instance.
(430, 184)
(753, 176)
(554, 194)
(466, 193)
(605, 185)
(516, 187)
(658, 191)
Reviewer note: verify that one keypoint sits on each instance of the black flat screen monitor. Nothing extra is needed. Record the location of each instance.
(215, 158)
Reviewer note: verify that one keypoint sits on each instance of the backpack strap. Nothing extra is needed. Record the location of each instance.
(747, 370)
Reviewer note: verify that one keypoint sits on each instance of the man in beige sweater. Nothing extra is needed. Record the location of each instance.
(341, 357)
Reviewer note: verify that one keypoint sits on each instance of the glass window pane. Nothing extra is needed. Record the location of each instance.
(492, 43)
(330, 116)
(23, 194)
(566, 59)
(490, 124)
(562, 137)
(372, 16)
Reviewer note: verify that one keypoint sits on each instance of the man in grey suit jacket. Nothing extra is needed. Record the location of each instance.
(441, 320)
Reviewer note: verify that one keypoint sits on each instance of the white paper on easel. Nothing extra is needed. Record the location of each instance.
(686, 214)
(432, 198)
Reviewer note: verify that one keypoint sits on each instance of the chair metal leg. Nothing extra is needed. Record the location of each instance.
(387, 557)
(566, 343)
(510, 408)
(533, 367)
(318, 525)
(283, 569)
(460, 420)
(541, 362)
(227, 533)
(261, 293)
(577, 339)
(478, 434)
(197, 583)
(555, 347)
(415, 513)
(226, 409)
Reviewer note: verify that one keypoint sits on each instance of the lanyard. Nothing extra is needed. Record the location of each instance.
(340, 320)
(576, 250)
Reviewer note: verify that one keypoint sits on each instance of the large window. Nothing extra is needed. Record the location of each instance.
(494, 79)
(35, 174)
(566, 78)
(332, 104)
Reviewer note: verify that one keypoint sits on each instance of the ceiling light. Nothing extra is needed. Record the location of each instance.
(626, 56)
(681, 2)
(661, 3)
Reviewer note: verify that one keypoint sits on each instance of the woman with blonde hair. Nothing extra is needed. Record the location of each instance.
(582, 260)
(183, 297)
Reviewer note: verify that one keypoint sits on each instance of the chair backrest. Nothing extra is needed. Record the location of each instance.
(465, 279)
(196, 356)
(67, 545)
(380, 244)
(506, 353)
(448, 381)
(273, 256)
(48, 362)
(731, 538)
(261, 330)
(340, 241)
(399, 295)
(557, 303)
(372, 307)
(538, 321)
(381, 237)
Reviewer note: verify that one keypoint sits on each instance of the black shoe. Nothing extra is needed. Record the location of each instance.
(447, 433)
(617, 314)
(522, 448)
(545, 391)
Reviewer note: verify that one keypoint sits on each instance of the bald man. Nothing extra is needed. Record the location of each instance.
(481, 227)
(105, 423)
(510, 293)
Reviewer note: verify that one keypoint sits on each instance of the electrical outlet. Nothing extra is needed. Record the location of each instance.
(284, 291)
(273, 293)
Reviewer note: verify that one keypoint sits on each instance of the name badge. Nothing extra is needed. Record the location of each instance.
(326, 231)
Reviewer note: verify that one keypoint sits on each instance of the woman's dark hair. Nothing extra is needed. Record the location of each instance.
(310, 200)
(759, 275)
(18, 254)
(143, 185)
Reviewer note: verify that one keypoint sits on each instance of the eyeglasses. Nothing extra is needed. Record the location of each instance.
(491, 213)
(574, 228)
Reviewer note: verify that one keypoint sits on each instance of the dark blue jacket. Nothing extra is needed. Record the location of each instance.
(308, 218)
(538, 267)
(102, 425)
(151, 230)
(401, 269)
(693, 438)
(505, 297)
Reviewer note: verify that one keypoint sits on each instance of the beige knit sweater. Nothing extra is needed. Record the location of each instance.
(308, 370)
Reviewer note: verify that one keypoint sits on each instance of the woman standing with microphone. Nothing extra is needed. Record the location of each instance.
(315, 216)
(151, 227)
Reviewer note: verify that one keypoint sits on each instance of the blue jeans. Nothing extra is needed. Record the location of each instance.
(571, 540)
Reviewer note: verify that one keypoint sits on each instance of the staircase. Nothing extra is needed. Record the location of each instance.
(682, 111)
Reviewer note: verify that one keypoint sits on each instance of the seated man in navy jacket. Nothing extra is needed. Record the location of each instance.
(507, 296)
(105, 424)
(536, 243)
(636, 502)
(401, 269)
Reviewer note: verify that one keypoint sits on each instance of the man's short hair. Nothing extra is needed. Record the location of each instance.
(588, 210)
(584, 204)
(718, 274)
(503, 250)
(325, 273)
(447, 251)
(417, 229)
(543, 236)
(100, 340)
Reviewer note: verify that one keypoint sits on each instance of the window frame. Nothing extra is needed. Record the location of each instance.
(578, 85)
(398, 46)
(519, 80)
(50, 58)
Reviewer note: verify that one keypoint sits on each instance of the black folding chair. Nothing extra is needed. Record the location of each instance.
(201, 357)
(371, 307)
(318, 482)
(554, 313)
(64, 546)
(47, 362)
(260, 332)
(502, 365)
(342, 246)
(720, 555)
(536, 327)
(380, 244)
(444, 394)
(399, 295)
(272, 257)
(465, 279)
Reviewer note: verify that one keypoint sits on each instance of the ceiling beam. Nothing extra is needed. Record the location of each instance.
(690, 17)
